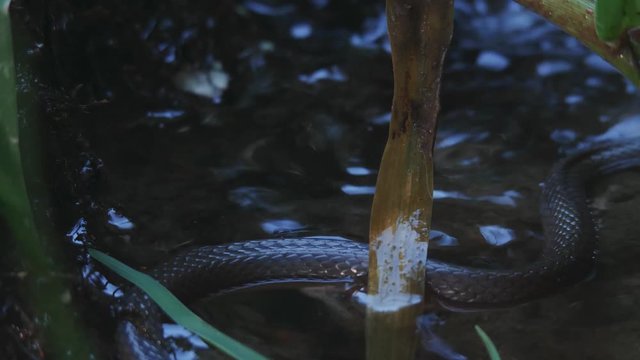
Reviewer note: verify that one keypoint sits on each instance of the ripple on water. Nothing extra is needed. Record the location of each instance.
(507, 198)
(280, 225)
(179, 332)
(627, 128)
(374, 33)
(359, 171)
(441, 239)
(300, 30)
(553, 67)
(563, 136)
(266, 9)
(334, 73)
(358, 189)
(492, 60)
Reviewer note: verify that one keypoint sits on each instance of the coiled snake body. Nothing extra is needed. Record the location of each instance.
(567, 257)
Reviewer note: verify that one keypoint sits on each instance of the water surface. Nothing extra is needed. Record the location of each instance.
(254, 119)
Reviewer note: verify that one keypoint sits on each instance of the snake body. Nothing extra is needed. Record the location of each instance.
(568, 256)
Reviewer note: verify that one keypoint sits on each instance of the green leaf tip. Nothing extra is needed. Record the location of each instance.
(176, 310)
(488, 344)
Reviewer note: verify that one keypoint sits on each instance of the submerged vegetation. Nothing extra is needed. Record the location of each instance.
(48, 293)
(405, 180)
(420, 33)
(176, 310)
(486, 340)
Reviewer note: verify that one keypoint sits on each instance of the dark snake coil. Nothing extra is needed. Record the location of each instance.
(567, 257)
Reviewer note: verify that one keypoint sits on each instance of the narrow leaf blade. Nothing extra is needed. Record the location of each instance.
(488, 344)
(176, 310)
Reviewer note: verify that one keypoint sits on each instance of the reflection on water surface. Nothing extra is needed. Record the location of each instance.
(249, 119)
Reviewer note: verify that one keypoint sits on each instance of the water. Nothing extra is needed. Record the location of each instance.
(283, 135)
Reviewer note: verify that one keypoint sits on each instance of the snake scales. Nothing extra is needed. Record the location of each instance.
(568, 255)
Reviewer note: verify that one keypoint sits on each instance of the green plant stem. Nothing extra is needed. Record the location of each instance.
(46, 295)
(577, 18)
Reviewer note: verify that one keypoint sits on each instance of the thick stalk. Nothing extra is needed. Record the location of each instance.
(420, 32)
(576, 17)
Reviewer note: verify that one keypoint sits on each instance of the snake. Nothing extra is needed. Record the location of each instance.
(567, 257)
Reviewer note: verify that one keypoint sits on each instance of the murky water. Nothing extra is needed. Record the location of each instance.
(240, 120)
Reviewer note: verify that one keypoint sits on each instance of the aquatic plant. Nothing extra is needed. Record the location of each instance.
(605, 26)
(615, 17)
(607, 19)
(176, 310)
(35, 257)
(488, 344)
(420, 32)
(401, 214)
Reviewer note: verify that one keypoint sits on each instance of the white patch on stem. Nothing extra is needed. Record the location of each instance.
(401, 256)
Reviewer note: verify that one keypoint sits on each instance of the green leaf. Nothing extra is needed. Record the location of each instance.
(488, 344)
(609, 19)
(28, 231)
(176, 310)
(614, 17)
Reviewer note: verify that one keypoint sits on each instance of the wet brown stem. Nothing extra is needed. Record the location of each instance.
(420, 32)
